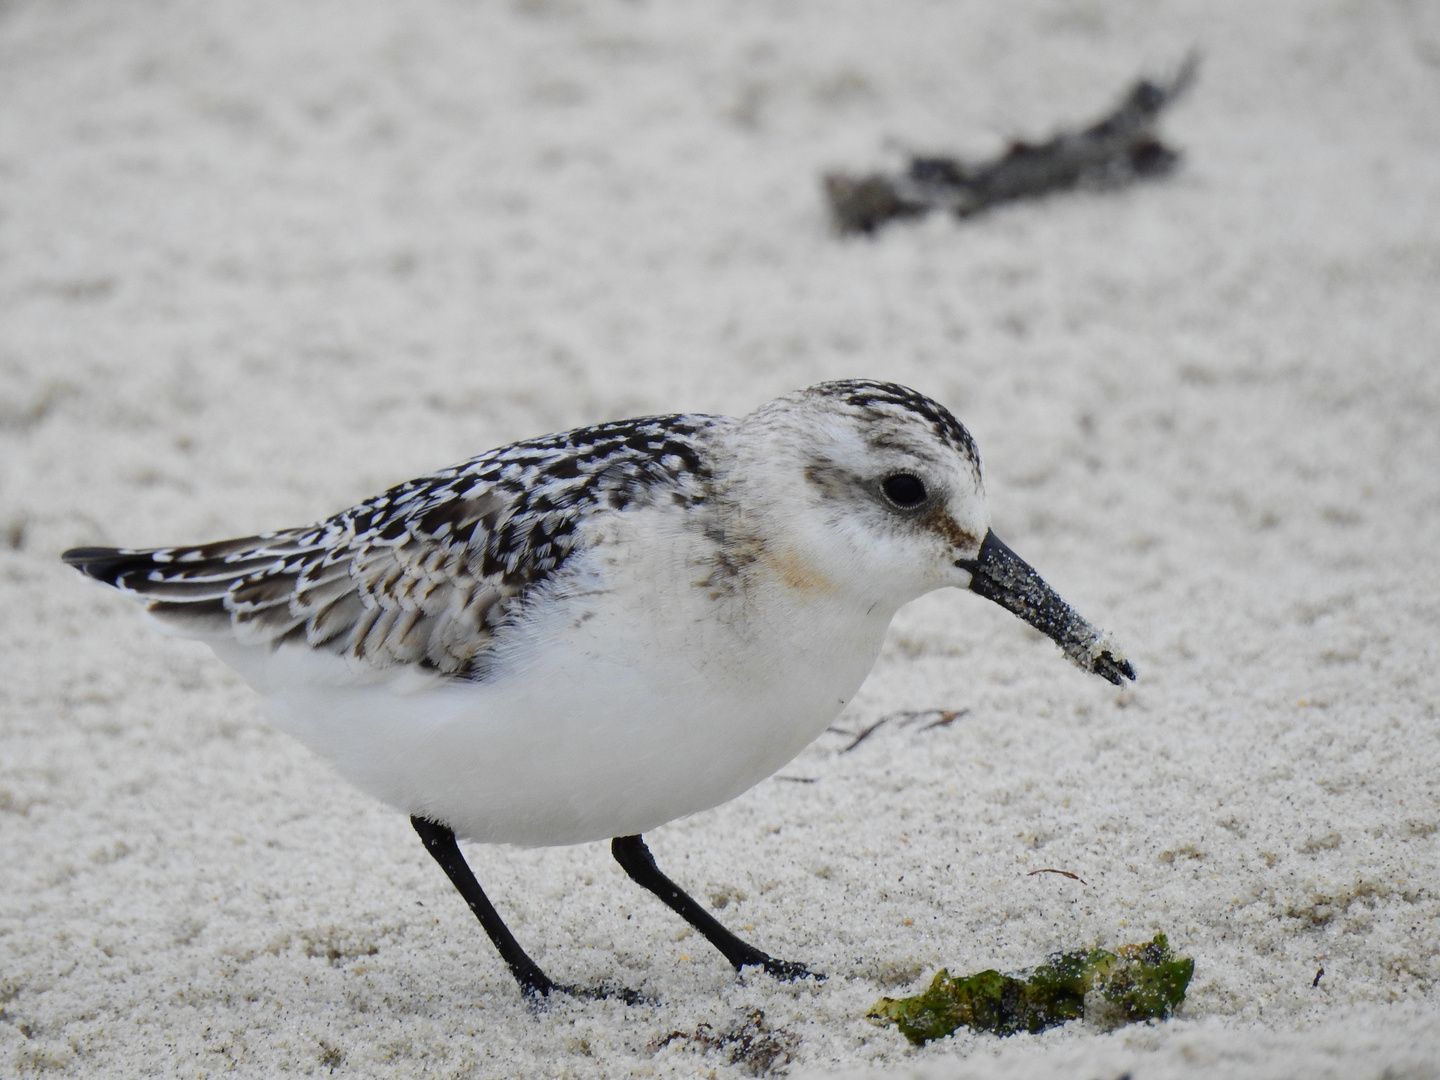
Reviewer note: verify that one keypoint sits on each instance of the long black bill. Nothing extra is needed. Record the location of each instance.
(999, 574)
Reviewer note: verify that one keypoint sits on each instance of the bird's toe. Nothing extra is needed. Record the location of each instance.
(788, 970)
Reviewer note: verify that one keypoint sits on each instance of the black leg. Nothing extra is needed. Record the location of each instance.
(635, 859)
(439, 840)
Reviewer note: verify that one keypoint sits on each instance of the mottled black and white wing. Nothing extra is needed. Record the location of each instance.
(428, 572)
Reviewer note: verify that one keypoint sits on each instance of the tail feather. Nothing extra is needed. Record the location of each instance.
(110, 565)
(199, 591)
(381, 602)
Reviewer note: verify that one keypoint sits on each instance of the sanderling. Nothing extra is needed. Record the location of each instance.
(586, 635)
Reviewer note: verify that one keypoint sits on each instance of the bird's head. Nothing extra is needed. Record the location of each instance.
(874, 491)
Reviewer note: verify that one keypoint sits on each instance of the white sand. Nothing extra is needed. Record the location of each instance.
(258, 260)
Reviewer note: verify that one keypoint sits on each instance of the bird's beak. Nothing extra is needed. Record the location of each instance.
(998, 574)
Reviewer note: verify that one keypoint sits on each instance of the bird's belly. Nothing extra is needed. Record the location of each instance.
(599, 728)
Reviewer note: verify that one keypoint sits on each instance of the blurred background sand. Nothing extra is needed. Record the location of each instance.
(259, 260)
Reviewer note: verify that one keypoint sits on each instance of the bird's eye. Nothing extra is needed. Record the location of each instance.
(905, 490)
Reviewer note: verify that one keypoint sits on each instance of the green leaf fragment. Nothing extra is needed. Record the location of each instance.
(1136, 982)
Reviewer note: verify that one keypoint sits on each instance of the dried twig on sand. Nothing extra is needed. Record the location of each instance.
(1120, 148)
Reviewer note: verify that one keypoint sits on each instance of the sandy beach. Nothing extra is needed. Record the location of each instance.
(261, 260)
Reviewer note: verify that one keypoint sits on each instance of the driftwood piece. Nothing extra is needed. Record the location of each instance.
(1116, 150)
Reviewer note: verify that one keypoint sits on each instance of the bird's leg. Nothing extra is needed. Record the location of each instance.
(635, 859)
(439, 840)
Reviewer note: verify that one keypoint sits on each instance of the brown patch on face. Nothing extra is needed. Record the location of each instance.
(957, 537)
(796, 574)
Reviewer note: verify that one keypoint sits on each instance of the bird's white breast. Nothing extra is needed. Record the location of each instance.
(640, 685)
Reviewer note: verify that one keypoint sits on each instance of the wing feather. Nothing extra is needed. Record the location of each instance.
(427, 573)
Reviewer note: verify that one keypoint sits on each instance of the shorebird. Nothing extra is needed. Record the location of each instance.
(583, 636)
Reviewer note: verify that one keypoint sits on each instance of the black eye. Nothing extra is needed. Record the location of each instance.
(904, 489)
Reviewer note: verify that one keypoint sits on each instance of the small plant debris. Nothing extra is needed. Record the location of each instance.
(1116, 150)
(1136, 982)
(750, 1043)
(331, 1057)
(927, 718)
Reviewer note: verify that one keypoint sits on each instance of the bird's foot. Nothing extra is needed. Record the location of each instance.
(605, 992)
(784, 970)
(538, 998)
